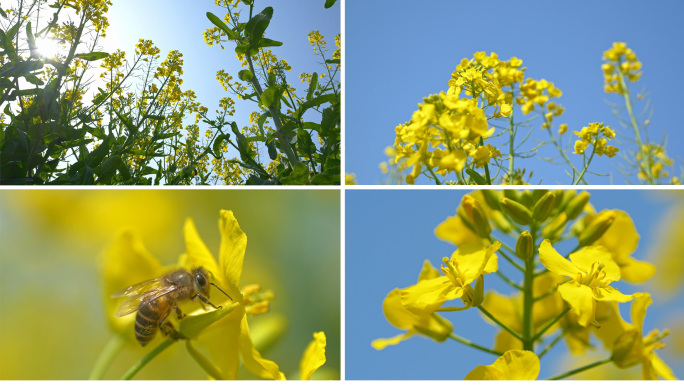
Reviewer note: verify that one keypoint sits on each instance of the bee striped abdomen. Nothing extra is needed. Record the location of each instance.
(147, 321)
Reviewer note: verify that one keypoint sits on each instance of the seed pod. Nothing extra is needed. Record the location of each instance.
(516, 211)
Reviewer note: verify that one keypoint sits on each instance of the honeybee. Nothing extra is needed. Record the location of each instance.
(154, 299)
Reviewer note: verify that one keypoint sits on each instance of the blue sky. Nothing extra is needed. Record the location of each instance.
(389, 233)
(397, 55)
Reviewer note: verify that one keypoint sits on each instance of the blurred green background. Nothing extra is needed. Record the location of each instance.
(52, 323)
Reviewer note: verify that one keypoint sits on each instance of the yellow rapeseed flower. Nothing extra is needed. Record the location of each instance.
(591, 270)
(512, 365)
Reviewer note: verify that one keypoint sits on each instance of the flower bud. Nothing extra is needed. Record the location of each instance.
(516, 211)
(475, 215)
(493, 198)
(524, 248)
(626, 352)
(576, 205)
(554, 228)
(597, 228)
(543, 208)
(500, 221)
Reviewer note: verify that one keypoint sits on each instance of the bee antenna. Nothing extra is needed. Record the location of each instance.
(231, 298)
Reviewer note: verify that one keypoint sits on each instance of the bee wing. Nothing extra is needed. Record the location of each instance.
(132, 303)
(140, 287)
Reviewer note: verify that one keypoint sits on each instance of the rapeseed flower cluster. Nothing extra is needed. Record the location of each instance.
(596, 135)
(621, 62)
(559, 297)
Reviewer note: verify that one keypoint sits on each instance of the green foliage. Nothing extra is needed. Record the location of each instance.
(134, 129)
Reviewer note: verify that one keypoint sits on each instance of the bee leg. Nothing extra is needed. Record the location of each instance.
(168, 330)
(203, 299)
(179, 313)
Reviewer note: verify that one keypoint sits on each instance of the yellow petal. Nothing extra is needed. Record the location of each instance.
(621, 237)
(232, 254)
(555, 262)
(661, 368)
(639, 306)
(382, 343)
(474, 264)
(505, 309)
(485, 373)
(512, 365)
(580, 299)
(635, 271)
(453, 230)
(428, 295)
(588, 256)
(125, 263)
(222, 340)
(252, 360)
(610, 294)
(314, 356)
(428, 271)
(197, 252)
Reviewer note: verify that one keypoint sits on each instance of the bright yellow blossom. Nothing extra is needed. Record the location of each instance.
(512, 365)
(465, 266)
(591, 270)
(431, 325)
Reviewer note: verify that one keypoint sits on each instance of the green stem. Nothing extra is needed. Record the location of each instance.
(509, 259)
(474, 345)
(586, 167)
(528, 303)
(496, 321)
(548, 326)
(434, 176)
(565, 157)
(508, 281)
(145, 360)
(635, 126)
(106, 357)
(583, 368)
(486, 166)
(204, 362)
(552, 344)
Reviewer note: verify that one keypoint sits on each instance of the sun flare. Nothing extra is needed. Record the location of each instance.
(50, 47)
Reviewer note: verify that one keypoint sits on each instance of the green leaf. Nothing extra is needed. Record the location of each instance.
(323, 179)
(31, 40)
(475, 176)
(131, 128)
(262, 120)
(329, 3)
(245, 75)
(264, 42)
(2, 12)
(256, 26)
(154, 117)
(91, 56)
(232, 35)
(272, 151)
(218, 153)
(312, 86)
(87, 176)
(332, 61)
(166, 136)
(268, 97)
(298, 176)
